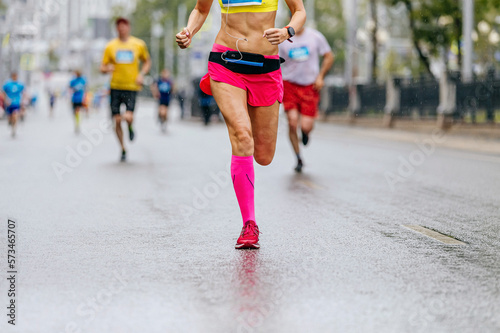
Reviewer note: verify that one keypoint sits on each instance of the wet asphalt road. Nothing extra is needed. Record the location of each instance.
(148, 246)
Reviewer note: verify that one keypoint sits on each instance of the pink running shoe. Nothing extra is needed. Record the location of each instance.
(249, 237)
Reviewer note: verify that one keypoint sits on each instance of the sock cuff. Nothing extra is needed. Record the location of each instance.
(242, 159)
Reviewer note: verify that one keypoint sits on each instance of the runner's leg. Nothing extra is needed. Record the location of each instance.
(116, 100)
(118, 128)
(233, 104)
(129, 100)
(306, 125)
(13, 122)
(129, 117)
(77, 119)
(265, 131)
(293, 121)
(163, 113)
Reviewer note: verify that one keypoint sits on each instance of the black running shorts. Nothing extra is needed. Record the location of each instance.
(119, 97)
(77, 105)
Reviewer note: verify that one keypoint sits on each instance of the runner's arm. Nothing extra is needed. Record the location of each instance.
(146, 66)
(328, 59)
(106, 65)
(145, 58)
(277, 36)
(195, 22)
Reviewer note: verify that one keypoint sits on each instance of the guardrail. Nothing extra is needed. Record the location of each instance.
(424, 97)
(477, 95)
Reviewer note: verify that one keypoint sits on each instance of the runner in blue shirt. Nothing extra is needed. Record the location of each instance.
(78, 86)
(162, 89)
(13, 91)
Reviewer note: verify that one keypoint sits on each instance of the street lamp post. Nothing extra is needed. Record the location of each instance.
(351, 18)
(310, 10)
(169, 36)
(181, 58)
(468, 23)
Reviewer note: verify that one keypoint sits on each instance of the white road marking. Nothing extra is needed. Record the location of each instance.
(434, 235)
(312, 185)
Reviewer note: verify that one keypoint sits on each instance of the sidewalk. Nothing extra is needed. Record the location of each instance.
(476, 138)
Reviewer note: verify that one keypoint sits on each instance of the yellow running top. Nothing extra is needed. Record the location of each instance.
(248, 6)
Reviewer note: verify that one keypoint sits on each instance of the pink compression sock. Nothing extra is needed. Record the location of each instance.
(243, 177)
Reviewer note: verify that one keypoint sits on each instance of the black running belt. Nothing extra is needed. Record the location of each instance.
(245, 63)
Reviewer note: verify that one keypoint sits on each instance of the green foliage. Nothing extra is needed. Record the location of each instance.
(330, 22)
(432, 29)
(167, 9)
(143, 17)
(3, 7)
(436, 26)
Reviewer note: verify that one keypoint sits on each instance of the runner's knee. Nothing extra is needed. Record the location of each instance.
(307, 126)
(264, 158)
(243, 141)
(293, 118)
(265, 147)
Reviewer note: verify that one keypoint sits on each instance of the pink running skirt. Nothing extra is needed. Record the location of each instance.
(262, 89)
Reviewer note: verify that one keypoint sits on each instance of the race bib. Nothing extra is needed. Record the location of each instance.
(299, 53)
(164, 87)
(79, 87)
(124, 57)
(238, 3)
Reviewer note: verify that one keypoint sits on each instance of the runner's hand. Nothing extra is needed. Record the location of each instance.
(140, 79)
(319, 83)
(183, 38)
(110, 68)
(276, 36)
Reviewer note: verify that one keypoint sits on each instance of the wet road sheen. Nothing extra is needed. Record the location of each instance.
(148, 246)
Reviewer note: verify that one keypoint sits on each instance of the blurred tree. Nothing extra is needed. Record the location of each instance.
(143, 15)
(436, 26)
(3, 9)
(330, 22)
(373, 31)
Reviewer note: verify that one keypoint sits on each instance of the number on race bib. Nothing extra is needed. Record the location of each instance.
(299, 53)
(124, 57)
(237, 3)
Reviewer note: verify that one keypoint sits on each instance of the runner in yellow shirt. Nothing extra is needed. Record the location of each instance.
(122, 58)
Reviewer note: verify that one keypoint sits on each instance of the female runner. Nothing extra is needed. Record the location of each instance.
(244, 76)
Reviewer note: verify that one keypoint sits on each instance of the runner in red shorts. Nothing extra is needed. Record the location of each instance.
(303, 80)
